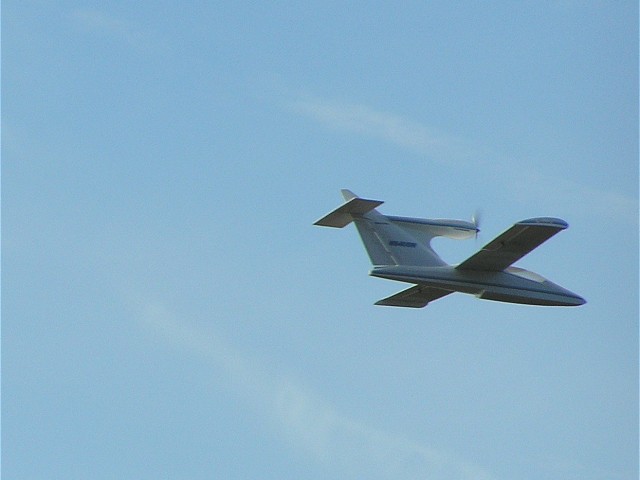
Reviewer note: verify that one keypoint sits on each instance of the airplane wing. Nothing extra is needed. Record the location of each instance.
(513, 244)
(417, 296)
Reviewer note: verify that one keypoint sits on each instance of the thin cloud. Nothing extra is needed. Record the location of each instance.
(307, 422)
(591, 201)
(102, 23)
(392, 128)
(524, 183)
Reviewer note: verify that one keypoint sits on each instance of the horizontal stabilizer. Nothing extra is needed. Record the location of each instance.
(343, 215)
(417, 296)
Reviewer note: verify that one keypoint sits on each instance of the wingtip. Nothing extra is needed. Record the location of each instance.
(545, 221)
(348, 194)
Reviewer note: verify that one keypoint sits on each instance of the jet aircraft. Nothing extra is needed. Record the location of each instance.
(400, 249)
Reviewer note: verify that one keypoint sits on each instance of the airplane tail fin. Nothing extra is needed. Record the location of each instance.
(386, 242)
(345, 214)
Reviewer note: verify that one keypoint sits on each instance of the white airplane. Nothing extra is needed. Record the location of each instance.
(400, 249)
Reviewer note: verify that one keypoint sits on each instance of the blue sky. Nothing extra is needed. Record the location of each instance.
(170, 312)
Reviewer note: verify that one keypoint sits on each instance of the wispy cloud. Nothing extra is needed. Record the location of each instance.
(547, 192)
(390, 127)
(102, 23)
(307, 422)
(518, 177)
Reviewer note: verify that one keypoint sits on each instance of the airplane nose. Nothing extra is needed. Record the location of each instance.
(576, 301)
(572, 299)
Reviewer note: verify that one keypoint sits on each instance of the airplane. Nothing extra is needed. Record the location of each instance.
(400, 249)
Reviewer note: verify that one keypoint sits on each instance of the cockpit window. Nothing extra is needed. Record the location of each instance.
(522, 273)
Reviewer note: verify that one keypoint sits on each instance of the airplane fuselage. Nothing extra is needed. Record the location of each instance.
(512, 285)
(400, 249)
